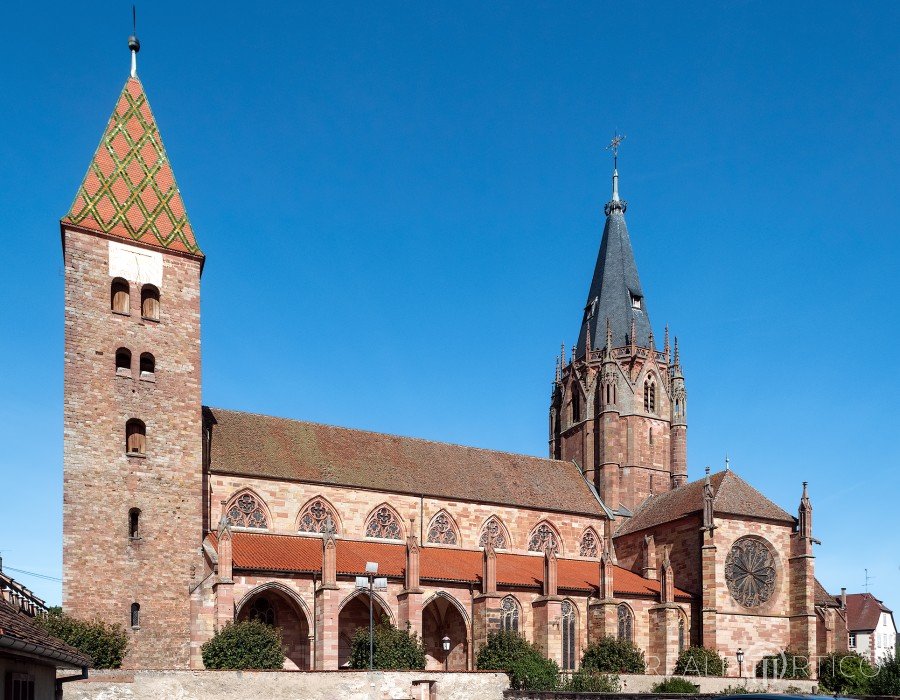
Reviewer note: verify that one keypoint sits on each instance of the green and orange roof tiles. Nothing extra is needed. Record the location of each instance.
(129, 190)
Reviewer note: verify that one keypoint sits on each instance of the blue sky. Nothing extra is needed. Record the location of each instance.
(401, 205)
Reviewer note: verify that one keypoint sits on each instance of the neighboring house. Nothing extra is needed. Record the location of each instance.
(29, 655)
(870, 626)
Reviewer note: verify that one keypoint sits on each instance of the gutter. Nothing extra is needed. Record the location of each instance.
(73, 660)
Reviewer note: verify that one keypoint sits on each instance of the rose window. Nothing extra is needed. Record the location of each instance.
(750, 572)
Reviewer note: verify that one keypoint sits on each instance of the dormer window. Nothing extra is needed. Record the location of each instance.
(637, 301)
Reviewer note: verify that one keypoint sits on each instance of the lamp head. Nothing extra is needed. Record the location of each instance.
(445, 642)
(371, 567)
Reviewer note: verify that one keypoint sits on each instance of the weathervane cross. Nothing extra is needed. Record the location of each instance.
(614, 147)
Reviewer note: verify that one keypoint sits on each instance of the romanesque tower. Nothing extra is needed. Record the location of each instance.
(619, 406)
(132, 416)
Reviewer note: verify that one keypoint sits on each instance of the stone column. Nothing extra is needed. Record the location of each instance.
(410, 598)
(327, 601)
(710, 589)
(802, 584)
(486, 605)
(224, 585)
(603, 613)
(664, 618)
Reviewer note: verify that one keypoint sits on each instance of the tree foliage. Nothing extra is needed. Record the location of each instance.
(887, 678)
(612, 655)
(524, 663)
(250, 645)
(845, 673)
(104, 643)
(700, 661)
(393, 649)
(675, 685)
(587, 681)
(788, 665)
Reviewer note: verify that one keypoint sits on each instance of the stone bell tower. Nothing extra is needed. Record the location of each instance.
(619, 405)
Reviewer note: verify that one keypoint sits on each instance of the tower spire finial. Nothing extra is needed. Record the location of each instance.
(614, 147)
(133, 42)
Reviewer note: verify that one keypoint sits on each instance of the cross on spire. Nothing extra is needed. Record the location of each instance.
(614, 147)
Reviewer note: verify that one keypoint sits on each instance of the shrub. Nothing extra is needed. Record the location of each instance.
(675, 685)
(392, 649)
(526, 666)
(700, 661)
(106, 644)
(586, 681)
(887, 678)
(244, 646)
(788, 665)
(611, 655)
(845, 673)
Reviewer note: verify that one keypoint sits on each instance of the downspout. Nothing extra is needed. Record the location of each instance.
(471, 626)
(315, 623)
(421, 515)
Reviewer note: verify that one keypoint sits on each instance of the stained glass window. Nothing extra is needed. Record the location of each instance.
(750, 571)
(441, 530)
(542, 539)
(568, 636)
(246, 511)
(384, 524)
(588, 546)
(317, 517)
(509, 614)
(493, 532)
(626, 622)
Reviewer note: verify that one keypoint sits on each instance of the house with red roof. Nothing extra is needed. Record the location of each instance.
(872, 632)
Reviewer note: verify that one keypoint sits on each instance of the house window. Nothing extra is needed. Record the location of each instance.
(135, 616)
(135, 437)
(148, 365)
(134, 523)
(626, 623)
(20, 686)
(852, 641)
(509, 614)
(123, 362)
(120, 296)
(150, 302)
(568, 636)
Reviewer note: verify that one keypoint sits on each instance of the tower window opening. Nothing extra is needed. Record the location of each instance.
(134, 523)
(123, 362)
(637, 301)
(576, 405)
(650, 396)
(150, 302)
(651, 436)
(135, 616)
(148, 365)
(120, 296)
(135, 437)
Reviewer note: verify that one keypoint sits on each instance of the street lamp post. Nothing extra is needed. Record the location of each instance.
(373, 584)
(445, 643)
(740, 660)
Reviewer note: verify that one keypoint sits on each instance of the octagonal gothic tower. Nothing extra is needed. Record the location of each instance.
(619, 405)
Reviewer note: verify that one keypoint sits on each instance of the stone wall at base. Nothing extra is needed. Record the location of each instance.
(287, 685)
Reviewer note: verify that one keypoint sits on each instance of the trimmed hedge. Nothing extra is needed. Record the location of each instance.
(526, 666)
(585, 681)
(104, 643)
(241, 646)
(393, 649)
(675, 685)
(700, 661)
(612, 655)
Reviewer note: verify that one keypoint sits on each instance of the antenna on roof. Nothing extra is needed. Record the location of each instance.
(133, 42)
(727, 462)
(868, 578)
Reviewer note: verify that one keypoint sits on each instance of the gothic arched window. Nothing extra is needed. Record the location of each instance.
(317, 517)
(626, 622)
(262, 611)
(246, 511)
(588, 546)
(509, 614)
(543, 538)
(681, 634)
(493, 532)
(135, 615)
(383, 524)
(649, 395)
(568, 636)
(441, 530)
(576, 404)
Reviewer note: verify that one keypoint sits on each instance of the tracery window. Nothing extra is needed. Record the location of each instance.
(493, 532)
(680, 635)
(750, 571)
(588, 547)
(317, 517)
(626, 622)
(509, 614)
(568, 636)
(262, 611)
(543, 538)
(246, 511)
(441, 530)
(650, 396)
(384, 524)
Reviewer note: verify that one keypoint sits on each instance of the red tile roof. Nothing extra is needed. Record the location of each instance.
(293, 553)
(823, 598)
(864, 611)
(129, 190)
(262, 446)
(733, 496)
(17, 627)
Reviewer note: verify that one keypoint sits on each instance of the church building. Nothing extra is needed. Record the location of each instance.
(180, 518)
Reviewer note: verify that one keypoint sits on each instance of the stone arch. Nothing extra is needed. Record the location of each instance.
(379, 601)
(443, 529)
(493, 528)
(384, 522)
(443, 615)
(542, 535)
(590, 544)
(353, 613)
(315, 521)
(260, 514)
(289, 613)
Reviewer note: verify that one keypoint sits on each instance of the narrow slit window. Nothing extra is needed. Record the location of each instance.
(134, 523)
(135, 615)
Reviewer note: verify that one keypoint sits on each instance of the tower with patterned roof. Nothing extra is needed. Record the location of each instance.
(619, 405)
(132, 520)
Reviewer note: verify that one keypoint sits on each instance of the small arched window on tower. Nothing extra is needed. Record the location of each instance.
(150, 302)
(120, 296)
(148, 366)
(135, 438)
(123, 362)
(135, 616)
(134, 524)
(649, 395)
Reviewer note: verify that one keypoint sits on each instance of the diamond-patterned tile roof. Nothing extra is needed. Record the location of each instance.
(129, 190)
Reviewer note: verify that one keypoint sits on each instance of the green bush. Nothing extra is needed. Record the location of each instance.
(393, 649)
(104, 643)
(675, 685)
(788, 665)
(611, 655)
(244, 646)
(526, 666)
(700, 661)
(586, 681)
(887, 677)
(845, 673)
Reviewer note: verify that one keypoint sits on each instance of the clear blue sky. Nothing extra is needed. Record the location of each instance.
(401, 205)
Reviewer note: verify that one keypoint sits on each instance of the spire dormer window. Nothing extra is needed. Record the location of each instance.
(637, 301)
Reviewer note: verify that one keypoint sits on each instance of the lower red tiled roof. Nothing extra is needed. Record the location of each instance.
(18, 627)
(298, 554)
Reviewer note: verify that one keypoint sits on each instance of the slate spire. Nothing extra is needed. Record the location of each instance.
(615, 292)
